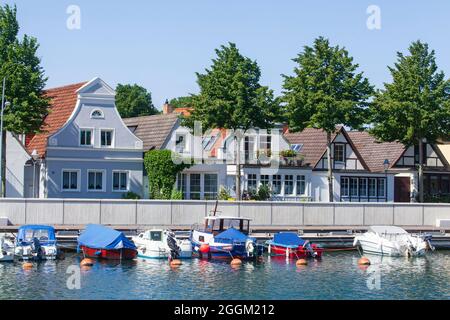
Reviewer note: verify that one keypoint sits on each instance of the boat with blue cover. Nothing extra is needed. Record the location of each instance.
(290, 245)
(225, 237)
(36, 242)
(98, 241)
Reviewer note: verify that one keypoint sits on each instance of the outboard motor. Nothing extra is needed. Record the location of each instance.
(173, 245)
(309, 249)
(427, 239)
(36, 248)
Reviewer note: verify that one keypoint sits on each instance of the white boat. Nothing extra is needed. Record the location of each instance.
(6, 249)
(392, 241)
(158, 243)
(36, 242)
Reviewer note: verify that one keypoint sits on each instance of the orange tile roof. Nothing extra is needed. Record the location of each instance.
(62, 103)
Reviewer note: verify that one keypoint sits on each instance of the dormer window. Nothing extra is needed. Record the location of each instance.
(339, 152)
(97, 114)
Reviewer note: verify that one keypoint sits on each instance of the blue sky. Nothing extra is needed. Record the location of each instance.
(161, 44)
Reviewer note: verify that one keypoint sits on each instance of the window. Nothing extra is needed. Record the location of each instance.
(363, 187)
(339, 152)
(120, 181)
(288, 185)
(180, 143)
(252, 182)
(381, 188)
(70, 180)
(106, 137)
(97, 114)
(276, 184)
(372, 187)
(265, 179)
(95, 180)
(265, 143)
(353, 187)
(86, 137)
(296, 147)
(344, 187)
(301, 185)
(208, 142)
(195, 186)
(210, 191)
(249, 148)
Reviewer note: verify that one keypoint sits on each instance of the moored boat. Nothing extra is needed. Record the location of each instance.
(158, 243)
(290, 245)
(36, 242)
(225, 237)
(101, 242)
(393, 241)
(6, 249)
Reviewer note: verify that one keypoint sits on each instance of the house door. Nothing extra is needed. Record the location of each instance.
(402, 189)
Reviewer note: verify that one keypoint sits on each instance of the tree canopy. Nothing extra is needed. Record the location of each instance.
(182, 102)
(416, 104)
(134, 101)
(25, 79)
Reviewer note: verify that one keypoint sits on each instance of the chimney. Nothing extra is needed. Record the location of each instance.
(167, 108)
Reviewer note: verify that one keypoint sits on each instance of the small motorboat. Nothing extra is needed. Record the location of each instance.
(158, 243)
(289, 244)
(392, 241)
(101, 242)
(225, 237)
(6, 249)
(36, 242)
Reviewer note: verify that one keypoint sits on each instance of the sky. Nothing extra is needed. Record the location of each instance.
(160, 45)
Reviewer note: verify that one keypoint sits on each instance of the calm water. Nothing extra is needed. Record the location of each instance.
(337, 276)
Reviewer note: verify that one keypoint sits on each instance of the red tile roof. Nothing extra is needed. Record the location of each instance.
(63, 101)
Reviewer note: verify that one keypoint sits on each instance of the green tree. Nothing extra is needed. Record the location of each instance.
(134, 101)
(162, 167)
(25, 80)
(324, 92)
(182, 102)
(414, 109)
(231, 97)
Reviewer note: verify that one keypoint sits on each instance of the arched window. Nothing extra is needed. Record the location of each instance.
(97, 114)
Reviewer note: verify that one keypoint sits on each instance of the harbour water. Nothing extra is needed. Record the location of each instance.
(336, 276)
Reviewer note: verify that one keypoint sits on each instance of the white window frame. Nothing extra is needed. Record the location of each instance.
(103, 171)
(78, 171)
(347, 179)
(128, 173)
(255, 179)
(102, 116)
(203, 184)
(92, 130)
(298, 179)
(293, 181)
(344, 150)
(113, 137)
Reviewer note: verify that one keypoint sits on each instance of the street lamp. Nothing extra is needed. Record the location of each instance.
(34, 158)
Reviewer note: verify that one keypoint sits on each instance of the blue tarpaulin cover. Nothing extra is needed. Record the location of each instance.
(42, 233)
(287, 239)
(99, 237)
(231, 235)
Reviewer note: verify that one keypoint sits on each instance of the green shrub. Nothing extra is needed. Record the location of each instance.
(224, 193)
(288, 153)
(131, 196)
(176, 195)
(262, 194)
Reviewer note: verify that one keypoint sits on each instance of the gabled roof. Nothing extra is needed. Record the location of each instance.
(152, 130)
(62, 104)
(374, 152)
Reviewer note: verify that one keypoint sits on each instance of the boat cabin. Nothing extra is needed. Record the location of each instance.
(218, 224)
(153, 235)
(45, 234)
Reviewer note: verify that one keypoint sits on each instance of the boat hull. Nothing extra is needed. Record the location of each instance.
(295, 253)
(225, 251)
(109, 254)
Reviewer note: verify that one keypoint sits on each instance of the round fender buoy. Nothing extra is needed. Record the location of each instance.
(301, 262)
(364, 261)
(175, 262)
(86, 262)
(27, 266)
(204, 248)
(236, 262)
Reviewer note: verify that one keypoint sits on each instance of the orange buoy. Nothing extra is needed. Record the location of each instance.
(175, 262)
(236, 262)
(86, 262)
(204, 248)
(364, 261)
(301, 262)
(27, 266)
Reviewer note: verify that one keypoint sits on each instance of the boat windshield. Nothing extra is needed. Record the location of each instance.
(156, 235)
(40, 234)
(220, 225)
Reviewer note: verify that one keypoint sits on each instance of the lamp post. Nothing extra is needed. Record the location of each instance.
(386, 167)
(4, 104)
(34, 158)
